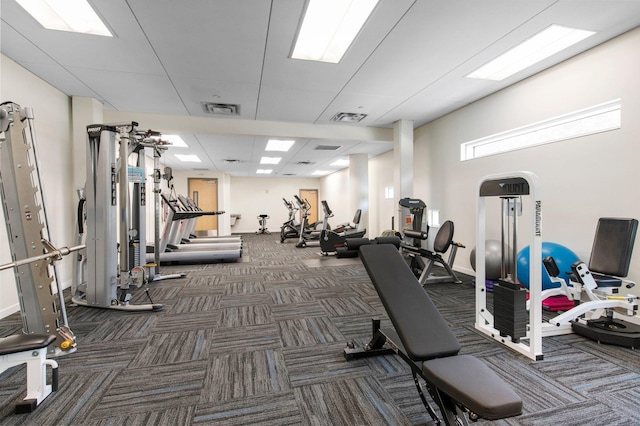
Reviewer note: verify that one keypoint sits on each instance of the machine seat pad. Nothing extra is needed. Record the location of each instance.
(24, 342)
(423, 331)
(469, 381)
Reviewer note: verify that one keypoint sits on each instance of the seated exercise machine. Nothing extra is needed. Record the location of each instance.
(330, 240)
(413, 237)
(461, 385)
(517, 323)
(421, 260)
(262, 221)
(442, 243)
(596, 288)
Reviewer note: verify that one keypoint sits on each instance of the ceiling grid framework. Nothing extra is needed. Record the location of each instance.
(408, 63)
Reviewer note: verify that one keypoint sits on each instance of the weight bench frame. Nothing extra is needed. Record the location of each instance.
(458, 384)
(30, 349)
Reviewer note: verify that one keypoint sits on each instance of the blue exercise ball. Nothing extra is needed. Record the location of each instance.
(563, 256)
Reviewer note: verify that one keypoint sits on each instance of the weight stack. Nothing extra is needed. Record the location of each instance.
(510, 316)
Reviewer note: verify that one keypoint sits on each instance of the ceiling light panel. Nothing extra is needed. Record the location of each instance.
(279, 145)
(188, 158)
(340, 163)
(264, 171)
(270, 160)
(542, 45)
(66, 15)
(176, 141)
(329, 27)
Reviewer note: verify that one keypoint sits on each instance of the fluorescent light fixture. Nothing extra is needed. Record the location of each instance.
(66, 15)
(320, 172)
(542, 45)
(264, 171)
(270, 160)
(340, 163)
(176, 141)
(188, 158)
(279, 145)
(329, 27)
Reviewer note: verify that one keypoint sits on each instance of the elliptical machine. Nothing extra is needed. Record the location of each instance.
(290, 229)
(309, 232)
(331, 240)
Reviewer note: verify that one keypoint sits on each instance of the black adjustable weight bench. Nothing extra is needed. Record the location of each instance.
(457, 383)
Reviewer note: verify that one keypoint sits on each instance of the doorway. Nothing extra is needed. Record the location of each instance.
(204, 192)
(311, 195)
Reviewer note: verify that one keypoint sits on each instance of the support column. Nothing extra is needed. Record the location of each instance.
(402, 164)
(84, 111)
(359, 187)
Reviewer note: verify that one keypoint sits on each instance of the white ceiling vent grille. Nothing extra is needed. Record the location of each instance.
(348, 117)
(221, 109)
(327, 148)
(305, 163)
(231, 161)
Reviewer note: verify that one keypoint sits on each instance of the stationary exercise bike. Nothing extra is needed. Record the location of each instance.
(330, 240)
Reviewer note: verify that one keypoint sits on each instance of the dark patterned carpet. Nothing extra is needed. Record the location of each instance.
(260, 341)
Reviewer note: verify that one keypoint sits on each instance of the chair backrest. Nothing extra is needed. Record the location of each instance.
(356, 217)
(613, 246)
(444, 237)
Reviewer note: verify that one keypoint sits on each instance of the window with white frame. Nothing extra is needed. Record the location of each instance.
(588, 121)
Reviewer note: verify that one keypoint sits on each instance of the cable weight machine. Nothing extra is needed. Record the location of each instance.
(114, 217)
(34, 257)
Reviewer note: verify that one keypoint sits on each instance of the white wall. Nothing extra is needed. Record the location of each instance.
(52, 111)
(251, 197)
(582, 179)
(381, 210)
(335, 190)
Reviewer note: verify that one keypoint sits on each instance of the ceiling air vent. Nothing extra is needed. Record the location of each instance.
(221, 109)
(348, 117)
(289, 174)
(327, 148)
(231, 161)
(305, 163)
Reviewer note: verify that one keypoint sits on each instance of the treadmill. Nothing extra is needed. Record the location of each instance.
(187, 236)
(177, 219)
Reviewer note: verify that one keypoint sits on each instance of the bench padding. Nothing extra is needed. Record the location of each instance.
(467, 379)
(24, 342)
(424, 333)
